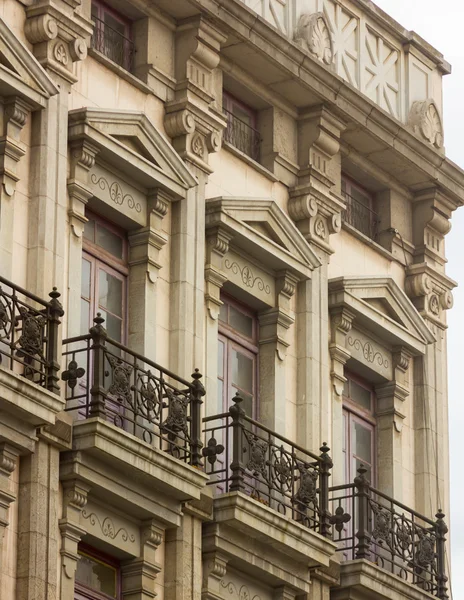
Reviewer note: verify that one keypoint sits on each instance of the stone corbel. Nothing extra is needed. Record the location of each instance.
(15, 114)
(217, 246)
(430, 292)
(139, 574)
(8, 460)
(273, 327)
(390, 398)
(82, 159)
(214, 571)
(401, 360)
(284, 593)
(341, 322)
(59, 36)
(75, 495)
(192, 121)
(286, 284)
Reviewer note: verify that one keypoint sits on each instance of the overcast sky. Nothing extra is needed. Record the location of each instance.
(441, 24)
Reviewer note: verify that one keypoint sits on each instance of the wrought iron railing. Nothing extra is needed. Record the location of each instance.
(369, 524)
(29, 334)
(113, 44)
(361, 216)
(242, 136)
(245, 456)
(108, 380)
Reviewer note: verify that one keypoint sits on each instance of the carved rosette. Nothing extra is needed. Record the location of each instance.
(313, 34)
(430, 292)
(425, 120)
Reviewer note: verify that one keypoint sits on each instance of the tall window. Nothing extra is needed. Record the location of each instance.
(359, 211)
(241, 129)
(104, 277)
(238, 357)
(112, 35)
(98, 576)
(359, 428)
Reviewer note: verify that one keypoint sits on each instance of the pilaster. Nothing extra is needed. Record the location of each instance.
(214, 571)
(8, 461)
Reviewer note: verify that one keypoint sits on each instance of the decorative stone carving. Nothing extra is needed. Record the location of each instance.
(247, 276)
(108, 527)
(313, 34)
(430, 291)
(116, 192)
(340, 325)
(41, 29)
(425, 120)
(60, 53)
(198, 146)
(12, 150)
(368, 351)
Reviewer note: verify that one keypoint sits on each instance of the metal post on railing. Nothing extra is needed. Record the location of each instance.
(237, 467)
(53, 366)
(325, 467)
(198, 391)
(441, 531)
(362, 493)
(97, 392)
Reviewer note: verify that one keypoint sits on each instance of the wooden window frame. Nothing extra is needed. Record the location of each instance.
(81, 591)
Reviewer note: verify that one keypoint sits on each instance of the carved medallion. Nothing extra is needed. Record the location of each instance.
(426, 122)
(313, 34)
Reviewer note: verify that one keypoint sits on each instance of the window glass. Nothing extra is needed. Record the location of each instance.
(241, 322)
(223, 310)
(110, 293)
(96, 575)
(362, 441)
(89, 230)
(242, 371)
(360, 395)
(109, 241)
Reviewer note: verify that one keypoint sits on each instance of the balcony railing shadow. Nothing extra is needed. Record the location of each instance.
(361, 217)
(109, 380)
(113, 44)
(369, 524)
(242, 136)
(243, 455)
(29, 328)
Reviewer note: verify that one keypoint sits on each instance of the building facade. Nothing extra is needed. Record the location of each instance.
(223, 302)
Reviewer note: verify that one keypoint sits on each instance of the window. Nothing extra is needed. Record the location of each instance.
(112, 35)
(359, 212)
(238, 357)
(241, 129)
(104, 277)
(98, 576)
(359, 428)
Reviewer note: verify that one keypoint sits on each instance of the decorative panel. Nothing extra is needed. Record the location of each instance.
(369, 353)
(276, 12)
(237, 586)
(111, 528)
(344, 27)
(249, 277)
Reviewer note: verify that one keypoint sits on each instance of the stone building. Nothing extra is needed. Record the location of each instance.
(221, 254)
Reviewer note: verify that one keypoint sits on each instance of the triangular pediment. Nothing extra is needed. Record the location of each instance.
(260, 228)
(382, 307)
(20, 73)
(131, 143)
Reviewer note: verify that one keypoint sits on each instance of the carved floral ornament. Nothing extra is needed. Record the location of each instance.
(313, 34)
(116, 192)
(425, 120)
(247, 276)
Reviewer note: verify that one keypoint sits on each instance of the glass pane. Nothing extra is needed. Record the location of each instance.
(220, 358)
(110, 242)
(85, 278)
(85, 316)
(110, 292)
(346, 388)
(360, 197)
(360, 395)
(247, 404)
(89, 230)
(368, 468)
(242, 371)
(113, 326)
(362, 443)
(220, 400)
(223, 313)
(241, 322)
(243, 115)
(115, 24)
(96, 575)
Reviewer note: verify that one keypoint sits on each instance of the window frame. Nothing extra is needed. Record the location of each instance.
(101, 9)
(229, 101)
(353, 184)
(81, 591)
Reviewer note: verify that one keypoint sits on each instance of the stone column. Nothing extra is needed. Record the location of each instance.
(8, 461)
(15, 114)
(194, 123)
(341, 321)
(315, 205)
(75, 496)
(144, 260)
(273, 326)
(214, 571)
(390, 416)
(58, 41)
(139, 574)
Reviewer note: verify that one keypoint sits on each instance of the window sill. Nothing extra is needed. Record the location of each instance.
(368, 241)
(112, 66)
(258, 167)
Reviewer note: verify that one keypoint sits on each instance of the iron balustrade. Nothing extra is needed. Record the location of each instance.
(109, 380)
(242, 136)
(245, 456)
(360, 216)
(29, 334)
(113, 44)
(369, 524)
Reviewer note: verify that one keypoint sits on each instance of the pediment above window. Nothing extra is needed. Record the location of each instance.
(262, 230)
(130, 144)
(20, 73)
(380, 306)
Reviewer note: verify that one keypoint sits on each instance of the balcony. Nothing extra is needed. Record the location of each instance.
(242, 136)
(360, 216)
(113, 44)
(370, 525)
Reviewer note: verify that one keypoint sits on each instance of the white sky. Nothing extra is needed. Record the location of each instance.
(441, 24)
